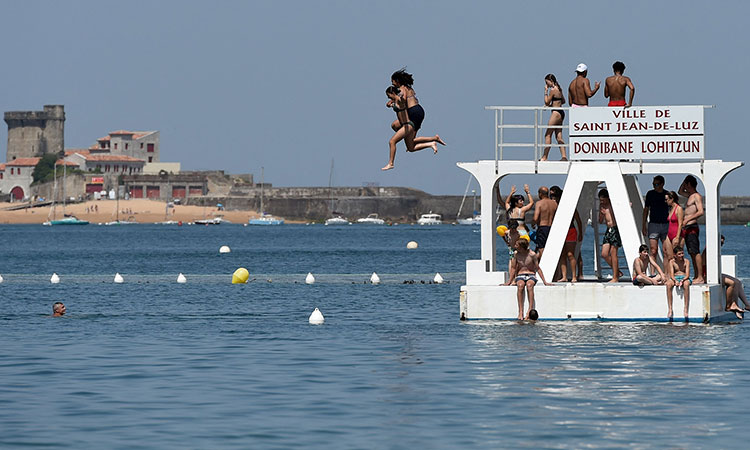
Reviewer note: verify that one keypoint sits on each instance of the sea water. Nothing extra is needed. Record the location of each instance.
(151, 363)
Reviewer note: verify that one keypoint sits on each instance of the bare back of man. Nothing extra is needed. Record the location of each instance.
(544, 212)
(580, 91)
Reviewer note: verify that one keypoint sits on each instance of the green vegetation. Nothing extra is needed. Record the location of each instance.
(44, 170)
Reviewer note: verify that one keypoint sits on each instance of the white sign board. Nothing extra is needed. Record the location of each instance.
(639, 132)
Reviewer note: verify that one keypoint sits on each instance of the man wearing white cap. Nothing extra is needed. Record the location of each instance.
(579, 91)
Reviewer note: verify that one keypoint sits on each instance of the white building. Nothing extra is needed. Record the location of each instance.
(16, 179)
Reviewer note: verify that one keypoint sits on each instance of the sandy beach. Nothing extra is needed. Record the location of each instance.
(140, 210)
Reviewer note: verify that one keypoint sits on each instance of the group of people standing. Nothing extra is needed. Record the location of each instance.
(579, 93)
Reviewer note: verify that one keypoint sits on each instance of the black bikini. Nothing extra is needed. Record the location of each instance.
(558, 99)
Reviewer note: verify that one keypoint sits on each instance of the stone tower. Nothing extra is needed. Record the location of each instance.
(34, 133)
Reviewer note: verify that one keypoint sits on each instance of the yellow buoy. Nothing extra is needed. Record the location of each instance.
(240, 276)
(501, 230)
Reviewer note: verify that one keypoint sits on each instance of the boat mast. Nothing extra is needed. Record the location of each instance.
(54, 191)
(261, 190)
(63, 189)
(330, 185)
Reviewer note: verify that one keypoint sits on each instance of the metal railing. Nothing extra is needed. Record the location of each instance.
(539, 127)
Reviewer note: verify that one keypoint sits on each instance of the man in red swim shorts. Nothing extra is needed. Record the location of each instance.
(614, 87)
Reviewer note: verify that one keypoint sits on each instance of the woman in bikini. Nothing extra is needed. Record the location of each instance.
(407, 102)
(553, 97)
(514, 205)
(675, 217)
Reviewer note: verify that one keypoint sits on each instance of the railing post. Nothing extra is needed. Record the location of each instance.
(496, 133)
(536, 135)
(501, 133)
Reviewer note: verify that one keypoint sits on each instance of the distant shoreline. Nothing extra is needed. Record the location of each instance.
(140, 210)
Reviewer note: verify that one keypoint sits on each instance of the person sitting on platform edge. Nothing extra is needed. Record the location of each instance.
(524, 267)
(735, 290)
(614, 87)
(690, 230)
(611, 241)
(678, 275)
(544, 213)
(579, 91)
(641, 266)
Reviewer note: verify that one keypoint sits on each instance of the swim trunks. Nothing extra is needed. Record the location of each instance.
(691, 234)
(526, 277)
(658, 230)
(572, 235)
(416, 116)
(542, 233)
(573, 105)
(612, 237)
(681, 278)
(617, 103)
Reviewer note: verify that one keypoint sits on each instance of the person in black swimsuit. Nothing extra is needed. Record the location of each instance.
(553, 97)
(406, 130)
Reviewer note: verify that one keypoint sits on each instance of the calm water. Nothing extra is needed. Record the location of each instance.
(152, 363)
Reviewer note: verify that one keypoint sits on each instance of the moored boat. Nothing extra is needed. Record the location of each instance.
(371, 219)
(430, 219)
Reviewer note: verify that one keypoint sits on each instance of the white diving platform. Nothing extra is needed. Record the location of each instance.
(484, 295)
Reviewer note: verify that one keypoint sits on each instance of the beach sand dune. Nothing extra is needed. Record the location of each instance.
(140, 210)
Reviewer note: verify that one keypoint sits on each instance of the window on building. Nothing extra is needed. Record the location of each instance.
(1, 176)
(150, 158)
(106, 166)
(11, 171)
(115, 145)
(141, 145)
(117, 167)
(150, 148)
(19, 171)
(126, 146)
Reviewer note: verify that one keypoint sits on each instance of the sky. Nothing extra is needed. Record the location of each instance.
(293, 85)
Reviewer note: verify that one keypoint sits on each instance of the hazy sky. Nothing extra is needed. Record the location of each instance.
(289, 85)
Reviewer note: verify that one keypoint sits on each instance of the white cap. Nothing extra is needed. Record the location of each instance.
(581, 68)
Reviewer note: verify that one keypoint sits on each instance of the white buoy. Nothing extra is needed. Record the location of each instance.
(309, 279)
(225, 249)
(1, 279)
(412, 245)
(374, 278)
(316, 318)
(438, 278)
(181, 278)
(54, 279)
(118, 278)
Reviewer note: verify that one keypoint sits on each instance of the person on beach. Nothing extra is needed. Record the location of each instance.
(690, 230)
(642, 263)
(675, 217)
(524, 267)
(544, 213)
(516, 209)
(58, 309)
(406, 101)
(655, 224)
(611, 242)
(553, 97)
(678, 275)
(614, 87)
(579, 91)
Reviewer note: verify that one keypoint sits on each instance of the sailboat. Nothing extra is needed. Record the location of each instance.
(264, 219)
(68, 219)
(167, 221)
(117, 221)
(337, 219)
(476, 218)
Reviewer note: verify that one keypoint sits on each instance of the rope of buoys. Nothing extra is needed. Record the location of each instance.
(309, 279)
(119, 278)
(374, 278)
(54, 279)
(240, 276)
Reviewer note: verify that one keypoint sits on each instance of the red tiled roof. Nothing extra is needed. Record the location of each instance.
(111, 158)
(140, 134)
(2, 166)
(120, 132)
(23, 162)
(82, 151)
(105, 138)
(61, 162)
